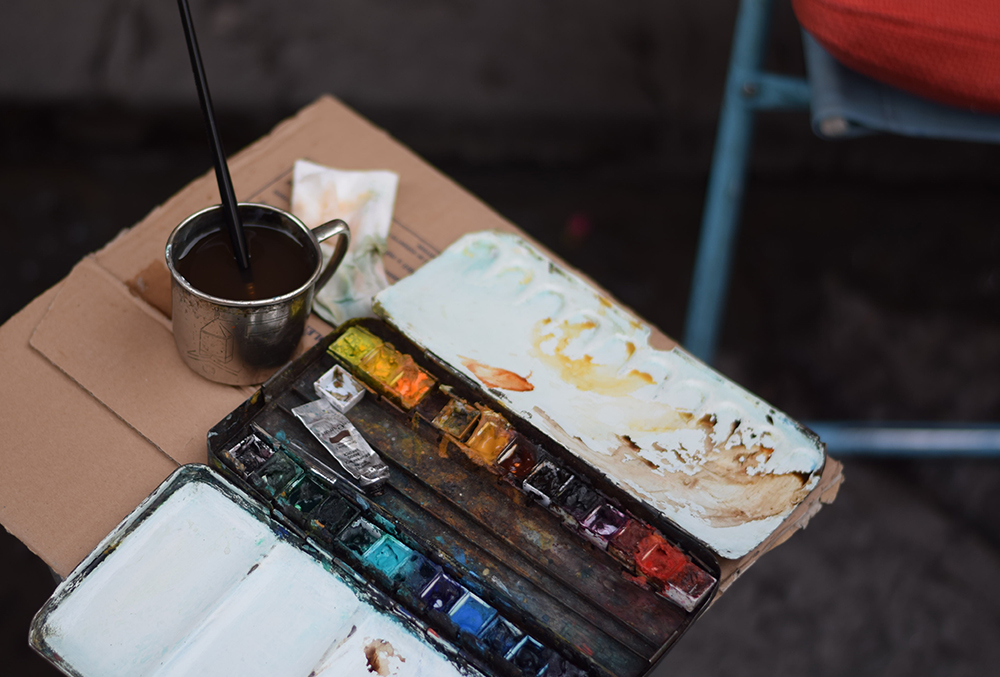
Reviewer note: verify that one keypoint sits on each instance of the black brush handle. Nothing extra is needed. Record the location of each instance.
(226, 192)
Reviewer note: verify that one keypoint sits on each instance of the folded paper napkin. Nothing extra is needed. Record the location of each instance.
(365, 201)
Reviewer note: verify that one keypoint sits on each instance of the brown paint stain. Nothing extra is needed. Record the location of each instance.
(152, 285)
(727, 494)
(495, 377)
(377, 653)
(582, 372)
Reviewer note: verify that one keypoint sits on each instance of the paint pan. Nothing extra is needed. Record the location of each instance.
(339, 388)
(603, 523)
(658, 559)
(688, 585)
(456, 418)
(530, 656)
(518, 459)
(471, 614)
(301, 497)
(546, 481)
(490, 437)
(354, 345)
(248, 455)
(360, 536)
(387, 555)
(276, 473)
(330, 518)
(383, 365)
(414, 575)
(410, 384)
(577, 499)
(442, 594)
(500, 636)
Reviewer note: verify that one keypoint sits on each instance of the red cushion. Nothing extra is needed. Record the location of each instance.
(945, 50)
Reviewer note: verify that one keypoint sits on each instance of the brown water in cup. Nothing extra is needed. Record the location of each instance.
(235, 328)
(276, 264)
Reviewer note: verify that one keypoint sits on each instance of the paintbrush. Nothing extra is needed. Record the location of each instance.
(226, 193)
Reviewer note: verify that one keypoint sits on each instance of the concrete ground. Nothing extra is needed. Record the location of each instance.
(857, 292)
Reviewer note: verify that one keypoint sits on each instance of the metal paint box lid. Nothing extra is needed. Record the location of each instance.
(198, 580)
(665, 428)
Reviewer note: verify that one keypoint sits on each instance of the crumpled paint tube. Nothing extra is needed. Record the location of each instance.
(345, 443)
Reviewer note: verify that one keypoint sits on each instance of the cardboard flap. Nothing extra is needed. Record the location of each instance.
(122, 352)
(70, 470)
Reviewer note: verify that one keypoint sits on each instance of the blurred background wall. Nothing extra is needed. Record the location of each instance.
(866, 284)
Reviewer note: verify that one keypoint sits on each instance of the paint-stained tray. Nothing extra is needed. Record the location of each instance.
(525, 488)
(534, 567)
(200, 580)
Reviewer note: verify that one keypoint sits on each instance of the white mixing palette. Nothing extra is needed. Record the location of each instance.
(694, 446)
(195, 582)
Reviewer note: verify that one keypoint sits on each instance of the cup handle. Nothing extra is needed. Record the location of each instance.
(325, 232)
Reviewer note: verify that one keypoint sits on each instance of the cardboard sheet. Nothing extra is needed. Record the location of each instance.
(121, 351)
(70, 469)
(93, 421)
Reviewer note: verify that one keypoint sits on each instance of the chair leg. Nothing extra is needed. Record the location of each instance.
(724, 199)
(912, 440)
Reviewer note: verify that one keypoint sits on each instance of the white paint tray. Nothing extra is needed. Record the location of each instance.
(199, 580)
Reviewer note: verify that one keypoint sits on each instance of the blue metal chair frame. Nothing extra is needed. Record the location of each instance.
(749, 89)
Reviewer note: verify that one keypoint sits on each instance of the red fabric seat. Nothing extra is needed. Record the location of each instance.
(945, 50)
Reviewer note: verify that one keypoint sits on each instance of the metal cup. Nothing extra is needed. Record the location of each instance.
(244, 342)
